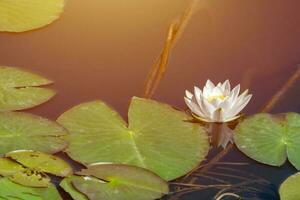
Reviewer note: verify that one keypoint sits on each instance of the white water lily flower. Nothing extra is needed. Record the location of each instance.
(217, 103)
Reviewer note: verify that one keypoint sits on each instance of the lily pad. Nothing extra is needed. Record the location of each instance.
(269, 139)
(122, 182)
(24, 15)
(289, 189)
(42, 162)
(31, 178)
(9, 167)
(23, 131)
(19, 89)
(11, 190)
(67, 185)
(158, 137)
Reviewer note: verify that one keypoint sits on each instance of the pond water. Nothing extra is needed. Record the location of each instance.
(104, 50)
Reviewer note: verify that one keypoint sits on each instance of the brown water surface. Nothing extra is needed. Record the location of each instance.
(104, 49)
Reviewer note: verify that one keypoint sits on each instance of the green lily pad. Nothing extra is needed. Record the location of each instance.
(67, 185)
(122, 182)
(269, 139)
(158, 137)
(42, 162)
(24, 15)
(19, 89)
(31, 178)
(10, 190)
(9, 167)
(289, 189)
(23, 131)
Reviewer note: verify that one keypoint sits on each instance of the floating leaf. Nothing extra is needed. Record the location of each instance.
(289, 189)
(158, 138)
(31, 178)
(121, 182)
(67, 185)
(20, 131)
(24, 15)
(270, 140)
(9, 167)
(19, 89)
(10, 190)
(42, 162)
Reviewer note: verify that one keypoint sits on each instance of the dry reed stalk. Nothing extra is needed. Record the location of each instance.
(175, 31)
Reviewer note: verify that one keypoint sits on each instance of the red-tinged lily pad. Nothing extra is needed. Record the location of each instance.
(24, 15)
(270, 139)
(67, 185)
(23, 131)
(158, 137)
(20, 89)
(119, 182)
(42, 162)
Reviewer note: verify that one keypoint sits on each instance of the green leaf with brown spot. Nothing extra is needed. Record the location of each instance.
(31, 178)
(42, 162)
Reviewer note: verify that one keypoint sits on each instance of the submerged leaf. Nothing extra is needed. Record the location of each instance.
(24, 15)
(158, 138)
(22, 131)
(19, 89)
(42, 162)
(289, 189)
(11, 190)
(121, 182)
(270, 140)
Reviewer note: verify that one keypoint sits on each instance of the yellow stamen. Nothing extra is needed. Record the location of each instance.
(215, 97)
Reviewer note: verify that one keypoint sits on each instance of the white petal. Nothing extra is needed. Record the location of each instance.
(226, 87)
(193, 107)
(197, 92)
(208, 107)
(188, 94)
(239, 107)
(235, 93)
(209, 84)
(244, 103)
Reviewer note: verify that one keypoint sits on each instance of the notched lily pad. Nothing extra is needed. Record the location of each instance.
(20, 131)
(158, 137)
(122, 182)
(269, 139)
(289, 189)
(11, 190)
(19, 16)
(42, 162)
(20, 89)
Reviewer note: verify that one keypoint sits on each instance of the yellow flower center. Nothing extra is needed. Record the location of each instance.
(215, 97)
